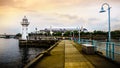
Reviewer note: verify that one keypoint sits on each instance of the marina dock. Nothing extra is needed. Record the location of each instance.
(68, 54)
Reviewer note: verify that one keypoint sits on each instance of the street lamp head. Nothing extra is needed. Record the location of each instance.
(102, 10)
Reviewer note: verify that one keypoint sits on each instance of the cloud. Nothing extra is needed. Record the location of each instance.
(66, 13)
(116, 27)
(116, 19)
(68, 16)
(6, 2)
(93, 19)
(38, 5)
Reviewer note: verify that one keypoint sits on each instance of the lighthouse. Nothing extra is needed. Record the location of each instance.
(24, 24)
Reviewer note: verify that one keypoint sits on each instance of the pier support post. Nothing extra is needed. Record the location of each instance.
(113, 51)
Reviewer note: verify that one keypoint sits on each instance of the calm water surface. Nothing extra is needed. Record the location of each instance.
(101, 47)
(12, 56)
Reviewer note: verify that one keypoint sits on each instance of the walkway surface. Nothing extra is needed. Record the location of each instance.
(65, 55)
(73, 58)
(55, 60)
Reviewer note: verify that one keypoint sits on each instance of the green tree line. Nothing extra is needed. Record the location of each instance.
(93, 35)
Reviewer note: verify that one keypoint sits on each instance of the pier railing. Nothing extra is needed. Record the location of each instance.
(110, 50)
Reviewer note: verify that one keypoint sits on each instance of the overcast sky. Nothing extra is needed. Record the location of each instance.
(57, 13)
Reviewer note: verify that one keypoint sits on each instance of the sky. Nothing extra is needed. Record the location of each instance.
(58, 14)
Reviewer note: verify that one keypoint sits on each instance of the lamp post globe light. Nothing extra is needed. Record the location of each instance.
(103, 10)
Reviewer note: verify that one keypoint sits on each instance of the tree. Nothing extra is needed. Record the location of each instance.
(57, 33)
(67, 33)
(19, 35)
(99, 33)
(115, 34)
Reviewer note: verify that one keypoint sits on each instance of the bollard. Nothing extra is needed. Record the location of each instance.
(79, 41)
(113, 47)
(93, 43)
(107, 50)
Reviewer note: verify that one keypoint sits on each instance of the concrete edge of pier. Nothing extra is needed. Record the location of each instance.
(36, 43)
(40, 55)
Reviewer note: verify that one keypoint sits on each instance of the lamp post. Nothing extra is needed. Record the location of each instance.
(73, 35)
(79, 30)
(108, 47)
(102, 10)
(79, 35)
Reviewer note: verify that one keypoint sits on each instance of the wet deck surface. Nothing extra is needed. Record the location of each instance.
(67, 54)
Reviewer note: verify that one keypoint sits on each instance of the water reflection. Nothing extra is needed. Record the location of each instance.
(12, 56)
(25, 55)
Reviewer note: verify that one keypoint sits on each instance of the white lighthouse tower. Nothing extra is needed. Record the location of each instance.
(24, 24)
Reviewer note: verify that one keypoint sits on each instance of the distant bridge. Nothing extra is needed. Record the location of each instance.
(7, 36)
